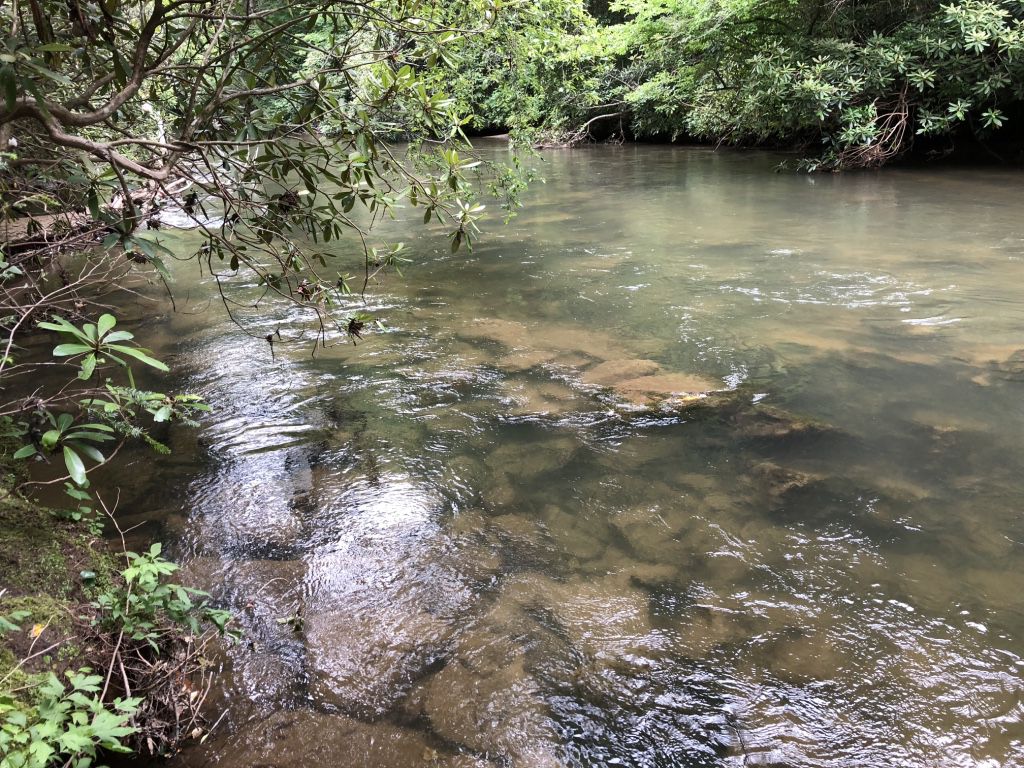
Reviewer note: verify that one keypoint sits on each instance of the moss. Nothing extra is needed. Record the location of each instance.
(31, 549)
(52, 570)
(42, 557)
(41, 609)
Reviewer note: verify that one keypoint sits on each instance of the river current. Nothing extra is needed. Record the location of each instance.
(510, 530)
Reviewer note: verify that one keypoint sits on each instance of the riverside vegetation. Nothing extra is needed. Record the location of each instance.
(233, 116)
(853, 85)
(270, 132)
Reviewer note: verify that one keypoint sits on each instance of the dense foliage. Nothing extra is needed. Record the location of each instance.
(856, 84)
(265, 127)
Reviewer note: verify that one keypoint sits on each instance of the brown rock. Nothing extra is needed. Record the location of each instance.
(680, 389)
(612, 372)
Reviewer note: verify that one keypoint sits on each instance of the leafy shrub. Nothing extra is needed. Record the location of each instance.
(148, 606)
(63, 725)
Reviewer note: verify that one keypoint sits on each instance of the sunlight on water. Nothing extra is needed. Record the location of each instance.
(693, 464)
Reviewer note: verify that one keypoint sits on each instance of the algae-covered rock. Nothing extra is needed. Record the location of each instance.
(780, 483)
(764, 422)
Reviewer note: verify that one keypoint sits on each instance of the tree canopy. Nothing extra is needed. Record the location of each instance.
(268, 128)
(854, 84)
(244, 113)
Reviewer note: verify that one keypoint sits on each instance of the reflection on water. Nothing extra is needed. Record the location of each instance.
(512, 532)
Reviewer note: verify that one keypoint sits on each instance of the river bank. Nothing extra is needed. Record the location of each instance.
(100, 653)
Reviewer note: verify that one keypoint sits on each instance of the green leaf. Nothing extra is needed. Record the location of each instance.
(140, 355)
(25, 451)
(61, 325)
(96, 437)
(76, 468)
(63, 350)
(93, 202)
(88, 366)
(90, 451)
(104, 324)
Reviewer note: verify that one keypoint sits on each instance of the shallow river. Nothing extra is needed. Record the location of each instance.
(499, 535)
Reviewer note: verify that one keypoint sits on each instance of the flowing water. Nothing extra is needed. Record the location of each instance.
(498, 535)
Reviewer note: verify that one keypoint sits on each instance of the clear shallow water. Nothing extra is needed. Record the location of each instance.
(463, 542)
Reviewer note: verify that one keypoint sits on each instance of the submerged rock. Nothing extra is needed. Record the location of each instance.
(522, 541)
(510, 333)
(601, 617)
(1012, 365)
(670, 535)
(365, 663)
(384, 603)
(495, 710)
(267, 667)
(612, 372)
(301, 738)
(528, 397)
(524, 360)
(485, 698)
(649, 535)
(529, 459)
(489, 695)
(576, 535)
(662, 385)
(779, 483)
(770, 423)
(707, 626)
(616, 563)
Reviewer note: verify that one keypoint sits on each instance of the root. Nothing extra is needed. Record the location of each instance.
(891, 140)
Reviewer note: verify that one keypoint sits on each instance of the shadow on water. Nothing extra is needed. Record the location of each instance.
(487, 538)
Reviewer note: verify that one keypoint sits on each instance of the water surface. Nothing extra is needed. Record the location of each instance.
(483, 538)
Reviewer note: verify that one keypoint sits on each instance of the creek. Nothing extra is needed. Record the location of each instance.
(484, 538)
